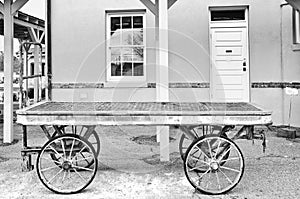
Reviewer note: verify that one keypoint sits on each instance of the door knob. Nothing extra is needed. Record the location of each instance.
(244, 69)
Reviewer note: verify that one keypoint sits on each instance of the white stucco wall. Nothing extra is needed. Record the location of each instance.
(79, 52)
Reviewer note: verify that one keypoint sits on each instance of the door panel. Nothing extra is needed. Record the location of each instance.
(230, 70)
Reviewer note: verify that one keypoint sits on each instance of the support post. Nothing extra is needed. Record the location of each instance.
(162, 71)
(8, 72)
(36, 72)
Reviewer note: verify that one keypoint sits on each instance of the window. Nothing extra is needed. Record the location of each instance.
(225, 15)
(126, 47)
(32, 68)
(296, 27)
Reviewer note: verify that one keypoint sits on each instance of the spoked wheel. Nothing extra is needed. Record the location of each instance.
(69, 173)
(88, 132)
(208, 169)
(198, 131)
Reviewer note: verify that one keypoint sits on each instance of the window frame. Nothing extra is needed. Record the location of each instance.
(296, 27)
(109, 77)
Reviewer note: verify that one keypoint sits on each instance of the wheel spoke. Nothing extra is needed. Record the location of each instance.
(196, 168)
(208, 182)
(80, 175)
(84, 158)
(197, 159)
(230, 169)
(226, 176)
(49, 181)
(218, 180)
(64, 176)
(223, 154)
(82, 168)
(202, 152)
(72, 146)
(53, 149)
(49, 168)
(217, 149)
(230, 159)
(63, 147)
(209, 148)
(204, 173)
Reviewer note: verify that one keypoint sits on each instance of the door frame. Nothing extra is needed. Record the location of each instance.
(229, 24)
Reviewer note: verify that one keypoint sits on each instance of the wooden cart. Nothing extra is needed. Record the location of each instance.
(213, 163)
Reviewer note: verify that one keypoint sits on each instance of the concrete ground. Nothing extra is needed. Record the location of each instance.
(130, 170)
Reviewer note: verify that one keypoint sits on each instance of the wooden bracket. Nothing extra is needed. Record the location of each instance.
(294, 3)
(17, 5)
(151, 6)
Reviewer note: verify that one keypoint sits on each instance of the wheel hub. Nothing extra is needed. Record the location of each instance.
(214, 166)
(66, 165)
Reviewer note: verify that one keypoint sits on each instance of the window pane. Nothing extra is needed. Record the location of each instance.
(127, 54)
(127, 37)
(138, 54)
(138, 22)
(115, 69)
(138, 37)
(115, 23)
(127, 69)
(138, 69)
(126, 22)
(115, 38)
(115, 55)
(222, 15)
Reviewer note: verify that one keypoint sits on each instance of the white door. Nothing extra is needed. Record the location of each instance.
(230, 65)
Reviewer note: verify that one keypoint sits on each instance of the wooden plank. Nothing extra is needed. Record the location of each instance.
(143, 108)
(147, 120)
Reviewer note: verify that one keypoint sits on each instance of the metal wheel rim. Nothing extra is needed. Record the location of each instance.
(218, 178)
(69, 174)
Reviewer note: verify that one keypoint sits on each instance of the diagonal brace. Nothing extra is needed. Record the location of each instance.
(17, 5)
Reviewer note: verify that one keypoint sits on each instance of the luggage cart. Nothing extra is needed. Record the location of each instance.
(213, 163)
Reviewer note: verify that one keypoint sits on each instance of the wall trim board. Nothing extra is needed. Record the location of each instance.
(176, 85)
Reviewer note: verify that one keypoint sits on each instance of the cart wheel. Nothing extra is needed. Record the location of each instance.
(70, 173)
(89, 135)
(221, 173)
(198, 131)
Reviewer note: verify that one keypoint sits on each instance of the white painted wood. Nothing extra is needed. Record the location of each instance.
(151, 6)
(1, 7)
(36, 72)
(230, 65)
(17, 5)
(294, 3)
(162, 72)
(143, 120)
(8, 135)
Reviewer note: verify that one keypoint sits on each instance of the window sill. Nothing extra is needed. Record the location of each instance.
(296, 47)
